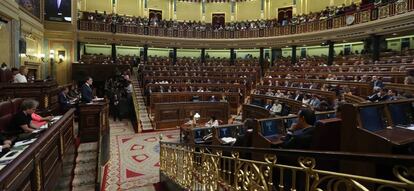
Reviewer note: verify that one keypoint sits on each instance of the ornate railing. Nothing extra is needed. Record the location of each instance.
(201, 167)
(363, 15)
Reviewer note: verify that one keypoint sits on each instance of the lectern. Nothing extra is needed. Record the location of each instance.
(94, 127)
(93, 121)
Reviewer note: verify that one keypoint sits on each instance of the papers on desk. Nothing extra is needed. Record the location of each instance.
(56, 118)
(228, 140)
(45, 126)
(2, 166)
(10, 155)
(24, 142)
(409, 127)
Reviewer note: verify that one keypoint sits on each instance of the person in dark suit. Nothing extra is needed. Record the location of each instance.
(58, 9)
(86, 90)
(301, 137)
(64, 100)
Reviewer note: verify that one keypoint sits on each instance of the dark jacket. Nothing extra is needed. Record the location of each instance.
(300, 139)
(86, 92)
(64, 101)
(57, 12)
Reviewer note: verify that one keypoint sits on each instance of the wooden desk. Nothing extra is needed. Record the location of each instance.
(99, 72)
(397, 136)
(232, 97)
(170, 115)
(254, 112)
(46, 93)
(40, 165)
(93, 121)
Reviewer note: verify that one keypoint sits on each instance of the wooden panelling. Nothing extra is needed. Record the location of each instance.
(40, 166)
(180, 112)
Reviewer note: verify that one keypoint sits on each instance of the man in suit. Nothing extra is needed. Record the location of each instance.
(58, 9)
(301, 135)
(64, 100)
(86, 90)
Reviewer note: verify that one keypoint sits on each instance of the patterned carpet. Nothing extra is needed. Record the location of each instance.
(134, 163)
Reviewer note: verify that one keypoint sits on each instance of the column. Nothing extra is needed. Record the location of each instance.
(113, 52)
(293, 60)
(261, 61)
(78, 51)
(331, 52)
(232, 56)
(203, 55)
(174, 56)
(376, 47)
(145, 53)
(276, 53)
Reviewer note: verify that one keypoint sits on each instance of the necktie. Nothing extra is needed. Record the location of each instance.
(58, 3)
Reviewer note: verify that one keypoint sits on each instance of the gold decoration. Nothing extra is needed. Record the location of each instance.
(214, 169)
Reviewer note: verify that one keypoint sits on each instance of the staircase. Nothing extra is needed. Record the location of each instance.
(140, 107)
(85, 170)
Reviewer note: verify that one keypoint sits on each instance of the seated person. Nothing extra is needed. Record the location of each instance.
(276, 108)
(300, 135)
(5, 144)
(379, 95)
(212, 98)
(65, 101)
(22, 121)
(38, 120)
(213, 122)
(21, 76)
(269, 104)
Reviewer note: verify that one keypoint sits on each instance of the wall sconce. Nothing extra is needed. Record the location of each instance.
(52, 54)
(61, 58)
(42, 57)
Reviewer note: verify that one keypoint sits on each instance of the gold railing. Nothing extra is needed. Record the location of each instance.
(365, 14)
(229, 168)
(136, 106)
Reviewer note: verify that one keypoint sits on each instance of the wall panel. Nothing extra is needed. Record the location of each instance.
(128, 7)
(100, 5)
(212, 8)
(188, 11)
(248, 10)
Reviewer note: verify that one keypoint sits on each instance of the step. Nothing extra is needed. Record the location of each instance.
(87, 157)
(90, 187)
(85, 168)
(83, 180)
(87, 147)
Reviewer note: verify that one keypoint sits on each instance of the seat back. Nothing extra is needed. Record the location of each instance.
(269, 128)
(326, 136)
(7, 112)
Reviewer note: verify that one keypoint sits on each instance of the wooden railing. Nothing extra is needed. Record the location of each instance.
(363, 15)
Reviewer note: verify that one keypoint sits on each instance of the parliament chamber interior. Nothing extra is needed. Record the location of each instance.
(168, 95)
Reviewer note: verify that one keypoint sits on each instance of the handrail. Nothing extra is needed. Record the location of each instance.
(211, 167)
(369, 157)
(136, 107)
(364, 15)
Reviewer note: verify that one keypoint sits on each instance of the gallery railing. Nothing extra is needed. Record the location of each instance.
(363, 15)
(202, 167)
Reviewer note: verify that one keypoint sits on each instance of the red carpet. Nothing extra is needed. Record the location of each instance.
(134, 163)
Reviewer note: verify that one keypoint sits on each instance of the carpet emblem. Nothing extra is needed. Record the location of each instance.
(140, 158)
(136, 147)
(134, 157)
(151, 139)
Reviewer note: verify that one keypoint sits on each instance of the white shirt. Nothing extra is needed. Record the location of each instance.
(211, 123)
(277, 108)
(19, 78)
(58, 2)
